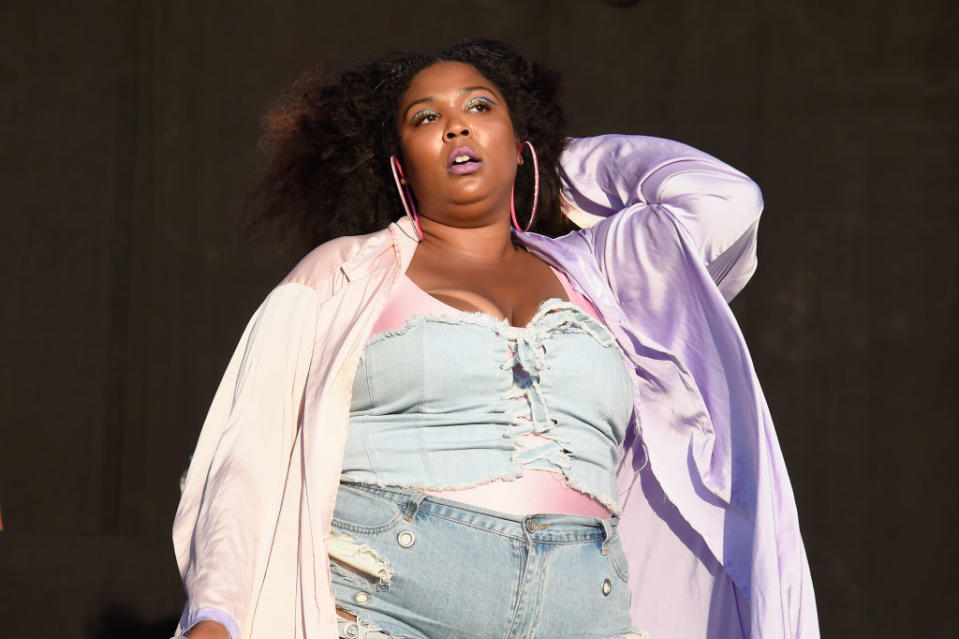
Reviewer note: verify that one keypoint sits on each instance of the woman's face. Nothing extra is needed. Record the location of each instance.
(459, 147)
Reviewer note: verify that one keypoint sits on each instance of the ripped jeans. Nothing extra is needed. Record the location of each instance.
(413, 566)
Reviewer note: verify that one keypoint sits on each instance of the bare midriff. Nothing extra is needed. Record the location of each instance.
(536, 490)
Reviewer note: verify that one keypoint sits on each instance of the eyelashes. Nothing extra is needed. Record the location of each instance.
(480, 104)
(480, 101)
(424, 115)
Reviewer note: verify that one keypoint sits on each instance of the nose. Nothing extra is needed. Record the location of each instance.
(456, 128)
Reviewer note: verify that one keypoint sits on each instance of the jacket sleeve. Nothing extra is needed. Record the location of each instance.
(716, 205)
(231, 499)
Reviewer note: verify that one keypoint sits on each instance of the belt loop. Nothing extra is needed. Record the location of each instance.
(608, 532)
(413, 505)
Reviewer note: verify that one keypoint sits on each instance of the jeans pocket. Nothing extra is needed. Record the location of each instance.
(362, 511)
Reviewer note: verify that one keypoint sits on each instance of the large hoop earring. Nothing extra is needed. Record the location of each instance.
(512, 205)
(404, 191)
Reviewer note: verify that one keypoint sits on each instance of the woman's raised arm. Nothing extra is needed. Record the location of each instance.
(716, 205)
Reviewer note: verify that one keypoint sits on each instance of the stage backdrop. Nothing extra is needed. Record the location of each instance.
(129, 134)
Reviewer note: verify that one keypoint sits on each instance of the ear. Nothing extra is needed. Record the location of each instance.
(519, 152)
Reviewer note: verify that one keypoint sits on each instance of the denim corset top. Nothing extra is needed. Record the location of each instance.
(458, 400)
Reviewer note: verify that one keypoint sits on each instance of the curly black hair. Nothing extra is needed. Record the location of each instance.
(328, 143)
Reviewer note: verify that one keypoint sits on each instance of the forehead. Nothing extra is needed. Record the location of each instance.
(444, 77)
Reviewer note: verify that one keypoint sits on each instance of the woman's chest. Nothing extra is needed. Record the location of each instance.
(511, 290)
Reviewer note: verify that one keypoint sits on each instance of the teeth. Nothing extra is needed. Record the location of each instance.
(462, 158)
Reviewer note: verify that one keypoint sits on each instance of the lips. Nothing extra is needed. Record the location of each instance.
(463, 160)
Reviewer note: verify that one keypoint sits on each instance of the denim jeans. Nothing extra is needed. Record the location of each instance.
(413, 566)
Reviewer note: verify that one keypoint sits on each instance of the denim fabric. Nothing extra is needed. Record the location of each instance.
(438, 568)
(452, 402)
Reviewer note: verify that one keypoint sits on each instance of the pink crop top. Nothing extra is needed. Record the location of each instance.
(536, 490)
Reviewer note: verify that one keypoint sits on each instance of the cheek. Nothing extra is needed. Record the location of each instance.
(414, 152)
(501, 140)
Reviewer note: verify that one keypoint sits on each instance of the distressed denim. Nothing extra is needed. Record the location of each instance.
(413, 566)
(452, 402)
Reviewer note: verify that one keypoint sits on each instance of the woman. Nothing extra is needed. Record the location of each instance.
(448, 428)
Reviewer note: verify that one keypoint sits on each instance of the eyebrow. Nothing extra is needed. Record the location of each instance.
(462, 91)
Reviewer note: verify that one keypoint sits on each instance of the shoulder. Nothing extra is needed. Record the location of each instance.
(340, 257)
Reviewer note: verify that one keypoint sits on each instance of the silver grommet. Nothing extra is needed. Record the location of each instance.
(607, 587)
(361, 597)
(352, 630)
(530, 525)
(405, 539)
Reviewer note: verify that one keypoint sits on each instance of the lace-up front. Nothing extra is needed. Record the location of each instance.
(455, 401)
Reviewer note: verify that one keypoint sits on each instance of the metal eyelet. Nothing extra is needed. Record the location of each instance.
(607, 587)
(361, 597)
(406, 539)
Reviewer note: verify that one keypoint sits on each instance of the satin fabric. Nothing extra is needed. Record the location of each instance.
(709, 521)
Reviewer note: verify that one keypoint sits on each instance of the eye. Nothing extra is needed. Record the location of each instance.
(425, 115)
(480, 104)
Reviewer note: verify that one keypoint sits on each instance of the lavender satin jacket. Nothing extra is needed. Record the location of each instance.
(709, 522)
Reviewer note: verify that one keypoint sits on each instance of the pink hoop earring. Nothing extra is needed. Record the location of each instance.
(405, 193)
(512, 205)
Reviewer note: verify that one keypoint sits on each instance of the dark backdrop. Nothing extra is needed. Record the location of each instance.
(128, 135)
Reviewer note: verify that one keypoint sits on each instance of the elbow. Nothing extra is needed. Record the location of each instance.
(750, 202)
(741, 202)
(739, 213)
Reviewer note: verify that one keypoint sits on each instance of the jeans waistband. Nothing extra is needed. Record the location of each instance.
(536, 527)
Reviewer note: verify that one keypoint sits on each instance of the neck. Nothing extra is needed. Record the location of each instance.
(491, 243)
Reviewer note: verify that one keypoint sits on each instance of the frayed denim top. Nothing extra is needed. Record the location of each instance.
(453, 401)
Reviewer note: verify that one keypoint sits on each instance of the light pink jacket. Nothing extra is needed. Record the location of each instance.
(709, 522)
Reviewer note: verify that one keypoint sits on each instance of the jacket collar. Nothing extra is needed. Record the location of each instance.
(405, 241)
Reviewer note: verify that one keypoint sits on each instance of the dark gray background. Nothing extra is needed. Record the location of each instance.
(129, 134)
